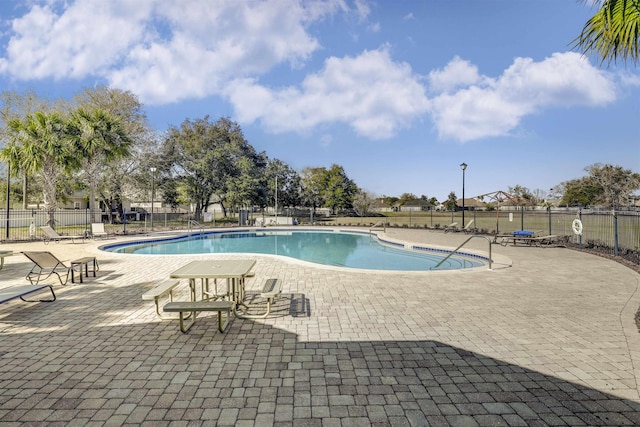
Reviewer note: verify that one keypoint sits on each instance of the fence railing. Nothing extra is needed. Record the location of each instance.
(617, 233)
(612, 232)
(22, 225)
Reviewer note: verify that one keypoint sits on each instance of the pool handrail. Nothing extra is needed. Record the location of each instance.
(384, 223)
(461, 245)
(193, 223)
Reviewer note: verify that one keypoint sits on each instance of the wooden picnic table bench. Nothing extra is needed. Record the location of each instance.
(271, 289)
(193, 307)
(163, 288)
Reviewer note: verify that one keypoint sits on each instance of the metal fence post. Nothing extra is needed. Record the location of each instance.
(615, 232)
(580, 235)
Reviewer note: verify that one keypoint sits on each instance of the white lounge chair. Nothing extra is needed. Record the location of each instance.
(97, 230)
(52, 235)
(451, 227)
(468, 228)
(4, 254)
(14, 292)
(46, 264)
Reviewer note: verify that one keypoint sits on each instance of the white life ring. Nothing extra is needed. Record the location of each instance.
(577, 226)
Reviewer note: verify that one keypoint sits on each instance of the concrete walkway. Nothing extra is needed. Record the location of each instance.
(546, 338)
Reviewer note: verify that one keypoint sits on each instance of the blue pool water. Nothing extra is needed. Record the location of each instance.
(352, 250)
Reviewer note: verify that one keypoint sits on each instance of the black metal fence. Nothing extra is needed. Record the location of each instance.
(23, 225)
(612, 232)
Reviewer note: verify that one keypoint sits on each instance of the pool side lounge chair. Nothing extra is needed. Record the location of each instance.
(548, 240)
(98, 231)
(14, 292)
(451, 227)
(46, 265)
(52, 235)
(468, 228)
(3, 255)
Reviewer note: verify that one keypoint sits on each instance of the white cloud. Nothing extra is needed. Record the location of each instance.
(475, 113)
(629, 79)
(564, 79)
(45, 44)
(371, 93)
(455, 74)
(164, 51)
(485, 107)
(362, 9)
(167, 51)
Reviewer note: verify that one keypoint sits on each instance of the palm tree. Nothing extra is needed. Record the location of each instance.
(39, 146)
(613, 32)
(98, 138)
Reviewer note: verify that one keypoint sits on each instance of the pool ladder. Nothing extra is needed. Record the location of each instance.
(461, 245)
(383, 223)
(195, 224)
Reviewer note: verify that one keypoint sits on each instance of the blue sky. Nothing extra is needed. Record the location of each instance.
(399, 93)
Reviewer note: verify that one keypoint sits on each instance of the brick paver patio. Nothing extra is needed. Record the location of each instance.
(549, 340)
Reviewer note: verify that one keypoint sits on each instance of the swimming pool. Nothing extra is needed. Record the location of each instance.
(334, 248)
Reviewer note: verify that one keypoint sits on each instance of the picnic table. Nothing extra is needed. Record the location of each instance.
(233, 271)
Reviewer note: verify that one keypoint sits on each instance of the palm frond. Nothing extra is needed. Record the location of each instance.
(613, 33)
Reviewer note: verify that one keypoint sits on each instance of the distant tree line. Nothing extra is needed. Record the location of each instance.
(100, 142)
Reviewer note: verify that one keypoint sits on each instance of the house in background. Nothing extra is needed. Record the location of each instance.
(471, 204)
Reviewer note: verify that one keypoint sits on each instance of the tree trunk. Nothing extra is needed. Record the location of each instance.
(24, 192)
(49, 184)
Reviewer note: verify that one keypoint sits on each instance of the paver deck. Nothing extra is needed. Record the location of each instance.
(549, 340)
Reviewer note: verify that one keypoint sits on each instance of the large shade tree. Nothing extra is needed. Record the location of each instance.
(99, 139)
(312, 183)
(39, 144)
(212, 162)
(125, 176)
(14, 105)
(287, 183)
(339, 189)
(330, 188)
(606, 185)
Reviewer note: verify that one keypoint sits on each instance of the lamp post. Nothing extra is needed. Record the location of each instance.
(153, 190)
(463, 166)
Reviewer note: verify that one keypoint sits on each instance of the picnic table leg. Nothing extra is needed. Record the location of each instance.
(185, 327)
(192, 287)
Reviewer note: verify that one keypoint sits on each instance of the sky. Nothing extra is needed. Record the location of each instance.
(399, 93)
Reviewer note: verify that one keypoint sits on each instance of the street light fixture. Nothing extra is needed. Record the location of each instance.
(463, 166)
(153, 190)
